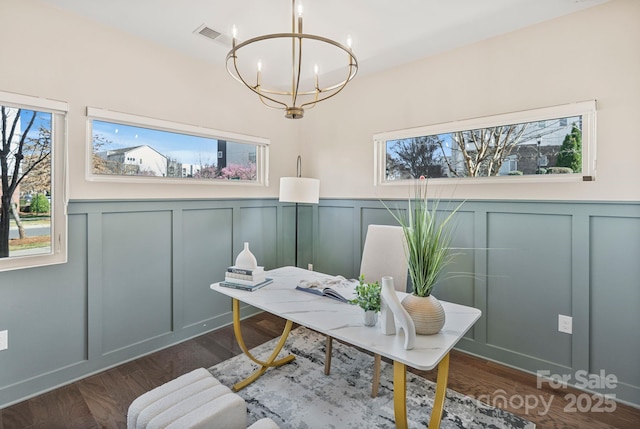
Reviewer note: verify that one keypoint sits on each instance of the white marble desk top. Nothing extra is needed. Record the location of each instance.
(344, 321)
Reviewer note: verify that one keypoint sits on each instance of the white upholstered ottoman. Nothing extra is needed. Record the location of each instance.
(195, 400)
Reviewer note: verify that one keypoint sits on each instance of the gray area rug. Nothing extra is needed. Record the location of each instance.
(298, 395)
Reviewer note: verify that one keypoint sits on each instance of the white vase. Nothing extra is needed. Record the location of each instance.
(427, 313)
(389, 296)
(370, 317)
(387, 322)
(245, 259)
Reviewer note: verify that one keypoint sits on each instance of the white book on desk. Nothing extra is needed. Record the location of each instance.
(246, 271)
(244, 278)
(336, 288)
(233, 285)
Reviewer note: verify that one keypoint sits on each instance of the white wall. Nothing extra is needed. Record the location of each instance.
(55, 54)
(593, 54)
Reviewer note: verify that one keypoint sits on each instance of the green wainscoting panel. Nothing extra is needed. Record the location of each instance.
(376, 216)
(529, 284)
(139, 272)
(258, 227)
(306, 216)
(288, 226)
(137, 281)
(45, 311)
(207, 251)
(615, 298)
(336, 232)
(458, 281)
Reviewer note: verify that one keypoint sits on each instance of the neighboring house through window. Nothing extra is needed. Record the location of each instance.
(555, 143)
(139, 148)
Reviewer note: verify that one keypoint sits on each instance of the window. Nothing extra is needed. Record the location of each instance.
(509, 166)
(33, 223)
(134, 148)
(556, 143)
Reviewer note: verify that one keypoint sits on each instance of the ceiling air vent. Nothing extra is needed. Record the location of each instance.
(212, 34)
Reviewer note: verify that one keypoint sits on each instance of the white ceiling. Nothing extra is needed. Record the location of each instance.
(385, 33)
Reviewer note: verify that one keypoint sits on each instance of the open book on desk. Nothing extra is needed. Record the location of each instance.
(337, 288)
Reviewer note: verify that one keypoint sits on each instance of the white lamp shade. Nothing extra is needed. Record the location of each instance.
(299, 190)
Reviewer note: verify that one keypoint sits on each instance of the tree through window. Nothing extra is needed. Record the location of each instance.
(549, 146)
(32, 178)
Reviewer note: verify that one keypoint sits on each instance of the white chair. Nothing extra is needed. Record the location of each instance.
(383, 255)
(195, 400)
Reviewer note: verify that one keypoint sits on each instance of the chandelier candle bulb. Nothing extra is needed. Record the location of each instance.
(259, 69)
(315, 77)
(234, 32)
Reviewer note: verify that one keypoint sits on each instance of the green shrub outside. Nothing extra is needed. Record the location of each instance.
(39, 204)
(559, 170)
(571, 151)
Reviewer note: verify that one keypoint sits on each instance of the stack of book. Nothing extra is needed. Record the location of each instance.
(245, 278)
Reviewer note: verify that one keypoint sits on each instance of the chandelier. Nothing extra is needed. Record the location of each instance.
(302, 89)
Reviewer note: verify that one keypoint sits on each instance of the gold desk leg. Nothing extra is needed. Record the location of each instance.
(264, 365)
(441, 392)
(400, 394)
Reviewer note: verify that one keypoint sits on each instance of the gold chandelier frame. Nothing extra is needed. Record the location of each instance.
(292, 101)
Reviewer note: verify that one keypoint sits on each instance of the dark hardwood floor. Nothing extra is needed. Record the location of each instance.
(101, 401)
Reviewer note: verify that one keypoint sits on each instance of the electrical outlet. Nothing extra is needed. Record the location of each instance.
(310, 267)
(565, 324)
(4, 340)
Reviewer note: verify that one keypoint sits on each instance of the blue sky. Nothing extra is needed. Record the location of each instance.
(43, 119)
(185, 148)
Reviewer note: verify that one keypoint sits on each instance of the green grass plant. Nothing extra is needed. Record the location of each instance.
(428, 239)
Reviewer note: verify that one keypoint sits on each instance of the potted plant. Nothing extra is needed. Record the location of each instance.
(428, 237)
(368, 298)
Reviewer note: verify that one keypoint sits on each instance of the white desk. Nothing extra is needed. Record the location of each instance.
(344, 322)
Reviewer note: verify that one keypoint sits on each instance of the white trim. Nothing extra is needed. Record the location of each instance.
(161, 124)
(586, 109)
(565, 110)
(27, 101)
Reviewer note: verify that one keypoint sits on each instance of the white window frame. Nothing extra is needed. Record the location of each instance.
(261, 143)
(586, 109)
(59, 181)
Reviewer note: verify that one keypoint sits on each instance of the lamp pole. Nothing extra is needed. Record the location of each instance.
(298, 175)
(297, 190)
(296, 256)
